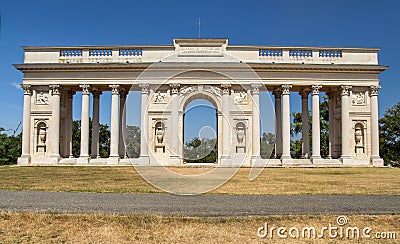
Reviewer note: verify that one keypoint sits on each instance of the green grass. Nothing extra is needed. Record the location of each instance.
(272, 181)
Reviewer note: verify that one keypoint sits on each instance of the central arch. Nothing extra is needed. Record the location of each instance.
(201, 145)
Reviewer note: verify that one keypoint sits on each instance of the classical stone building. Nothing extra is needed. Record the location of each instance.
(230, 77)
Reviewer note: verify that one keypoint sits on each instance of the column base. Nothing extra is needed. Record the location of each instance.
(175, 160)
(225, 160)
(346, 160)
(113, 160)
(315, 159)
(257, 161)
(377, 161)
(54, 159)
(83, 160)
(24, 160)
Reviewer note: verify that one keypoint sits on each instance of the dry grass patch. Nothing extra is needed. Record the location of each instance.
(84, 228)
(272, 181)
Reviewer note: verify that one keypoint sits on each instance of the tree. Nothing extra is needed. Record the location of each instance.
(10, 148)
(296, 128)
(390, 135)
(202, 150)
(267, 145)
(132, 141)
(104, 139)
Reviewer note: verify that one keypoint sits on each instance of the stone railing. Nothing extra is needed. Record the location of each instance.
(247, 54)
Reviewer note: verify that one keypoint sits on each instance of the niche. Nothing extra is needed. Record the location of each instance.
(241, 137)
(159, 137)
(41, 137)
(359, 138)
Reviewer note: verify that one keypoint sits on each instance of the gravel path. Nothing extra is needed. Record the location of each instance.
(199, 205)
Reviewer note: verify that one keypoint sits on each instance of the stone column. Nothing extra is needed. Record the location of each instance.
(122, 123)
(331, 123)
(256, 122)
(114, 156)
(26, 126)
(55, 124)
(144, 146)
(305, 128)
(174, 122)
(345, 123)
(84, 154)
(278, 122)
(226, 144)
(286, 122)
(70, 95)
(96, 123)
(376, 160)
(316, 127)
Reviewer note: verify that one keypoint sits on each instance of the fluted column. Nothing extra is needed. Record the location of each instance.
(375, 158)
(70, 95)
(225, 121)
(256, 121)
(122, 126)
(84, 154)
(286, 121)
(305, 128)
(316, 127)
(331, 124)
(278, 122)
(174, 120)
(345, 123)
(55, 122)
(144, 147)
(26, 126)
(114, 123)
(96, 123)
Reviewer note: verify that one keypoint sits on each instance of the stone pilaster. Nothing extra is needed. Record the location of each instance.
(114, 156)
(144, 146)
(122, 123)
(226, 131)
(316, 127)
(331, 123)
(376, 160)
(70, 96)
(96, 123)
(174, 123)
(278, 122)
(345, 123)
(256, 122)
(286, 121)
(55, 124)
(305, 128)
(26, 126)
(84, 154)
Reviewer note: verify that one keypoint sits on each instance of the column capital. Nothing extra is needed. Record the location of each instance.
(304, 92)
(174, 88)
(70, 94)
(27, 89)
(123, 93)
(277, 92)
(330, 93)
(315, 89)
(256, 88)
(226, 88)
(345, 90)
(85, 89)
(114, 89)
(96, 92)
(55, 89)
(373, 90)
(145, 87)
(286, 89)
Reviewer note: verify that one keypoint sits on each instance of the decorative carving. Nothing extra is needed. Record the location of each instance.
(188, 89)
(96, 93)
(277, 92)
(286, 89)
(225, 88)
(315, 89)
(359, 98)
(240, 98)
(42, 98)
(85, 89)
(374, 90)
(256, 88)
(114, 89)
(123, 93)
(55, 89)
(27, 89)
(145, 87)
(174, 88)
(159, 97)
(345, 90)
(304, 93)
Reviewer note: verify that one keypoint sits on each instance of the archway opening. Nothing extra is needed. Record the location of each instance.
(200, 132)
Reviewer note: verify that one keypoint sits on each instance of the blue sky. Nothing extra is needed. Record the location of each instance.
(303, 23)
